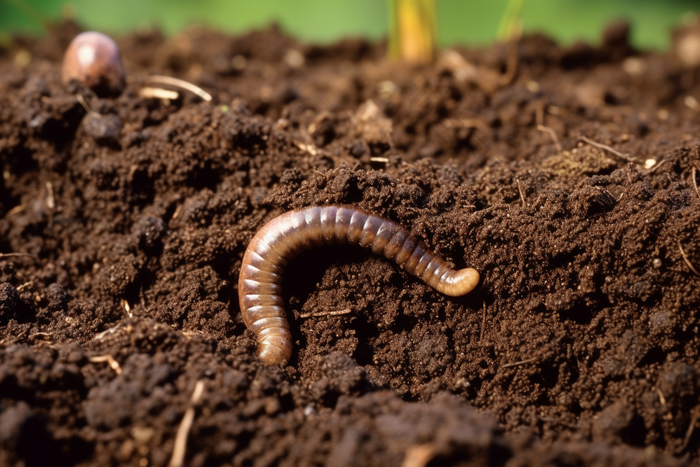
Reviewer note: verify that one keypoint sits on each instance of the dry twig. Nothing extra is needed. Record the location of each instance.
(344, 311)
(522, 195)
(169, 80)
(15, 210)
(552, 134)
(158, 93)
(605, 147)
(87, 108)
(112, 330)
(522, 362)
(656, 167)
(687, 261)
(379, 160)
(50, 200)
(662, 399)
(183, 431)
(689, 433)
(483, 323)
(110, 360)
(127, 308)
(40, 334)
(695, 181)
(306, 147)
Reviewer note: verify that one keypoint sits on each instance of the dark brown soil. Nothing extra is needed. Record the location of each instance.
(581, 345)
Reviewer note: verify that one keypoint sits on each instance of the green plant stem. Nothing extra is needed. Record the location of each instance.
(509, 20)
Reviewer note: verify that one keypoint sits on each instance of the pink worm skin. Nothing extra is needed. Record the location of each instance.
(260, 282)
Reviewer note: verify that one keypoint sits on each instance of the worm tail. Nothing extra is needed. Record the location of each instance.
(262, 306)
(394, 242)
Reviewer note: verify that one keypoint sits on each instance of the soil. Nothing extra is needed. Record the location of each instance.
(123, 235)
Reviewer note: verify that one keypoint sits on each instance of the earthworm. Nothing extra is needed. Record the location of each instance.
(260, 281)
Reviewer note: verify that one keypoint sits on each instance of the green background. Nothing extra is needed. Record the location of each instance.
(459, 21)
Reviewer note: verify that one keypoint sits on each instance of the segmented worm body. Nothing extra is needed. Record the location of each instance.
(260, 282)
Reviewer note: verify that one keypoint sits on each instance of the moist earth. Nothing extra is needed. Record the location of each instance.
(568, 176)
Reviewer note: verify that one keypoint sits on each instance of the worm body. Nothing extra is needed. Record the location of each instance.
(259, 284)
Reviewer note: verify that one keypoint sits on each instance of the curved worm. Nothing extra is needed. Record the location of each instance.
(259, 285)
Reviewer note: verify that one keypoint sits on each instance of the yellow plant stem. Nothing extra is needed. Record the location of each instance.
(413, 30)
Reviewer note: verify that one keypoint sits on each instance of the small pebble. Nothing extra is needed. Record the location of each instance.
(105, 129)
(94, 60)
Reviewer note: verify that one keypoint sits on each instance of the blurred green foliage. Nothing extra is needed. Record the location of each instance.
(459, 21)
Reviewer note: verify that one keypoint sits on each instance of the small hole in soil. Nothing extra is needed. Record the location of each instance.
(579, 314)
(654, 355)
(636, 432)
(549, 374)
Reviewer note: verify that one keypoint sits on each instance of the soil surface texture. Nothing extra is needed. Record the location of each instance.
(567, 176)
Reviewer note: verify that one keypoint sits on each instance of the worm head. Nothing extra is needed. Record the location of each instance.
(94, 59)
